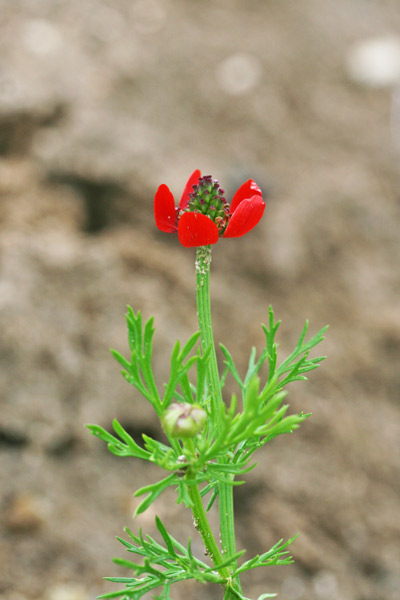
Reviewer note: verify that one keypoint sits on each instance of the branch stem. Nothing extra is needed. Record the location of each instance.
(202, 525)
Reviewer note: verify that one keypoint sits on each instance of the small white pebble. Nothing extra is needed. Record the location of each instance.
(66, 591)
(293, 588)
(375, 62)
(326, 586)
(239, 73)
(41, 37)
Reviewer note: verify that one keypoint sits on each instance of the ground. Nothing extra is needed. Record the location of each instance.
(100, 102)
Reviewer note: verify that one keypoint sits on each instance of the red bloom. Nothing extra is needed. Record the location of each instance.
(203, 215)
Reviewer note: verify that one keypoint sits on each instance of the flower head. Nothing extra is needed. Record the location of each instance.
(203, 214)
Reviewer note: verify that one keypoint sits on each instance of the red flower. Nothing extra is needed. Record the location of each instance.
(203, 215)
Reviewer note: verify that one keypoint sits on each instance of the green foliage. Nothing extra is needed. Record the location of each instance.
(232, 432)
(162, 565)
(139, 371)
(219, 455)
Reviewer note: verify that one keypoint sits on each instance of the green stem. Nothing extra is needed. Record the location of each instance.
(205, 530)
(203, 264)
(203, 526)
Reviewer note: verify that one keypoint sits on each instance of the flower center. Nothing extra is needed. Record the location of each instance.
(208, 198)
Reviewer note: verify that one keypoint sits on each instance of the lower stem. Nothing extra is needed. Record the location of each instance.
(203, 526)
(227, 528)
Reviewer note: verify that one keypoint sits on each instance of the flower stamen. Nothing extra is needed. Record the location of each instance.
(208, 199)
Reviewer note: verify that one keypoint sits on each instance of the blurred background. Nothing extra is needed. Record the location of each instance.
(100, 102)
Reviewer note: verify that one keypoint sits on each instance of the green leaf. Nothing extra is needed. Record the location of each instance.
(202, 366)
(121, 359)
(166, 537)
(130, 442)
(231, 366)
(186, 388)
(183, 494)
(148, 338)
(111, 594)
(134, 323)
(115, 446)
(153, 491)
(165, 593)
(298, 358)
(277, 555)
(179, 369)
(212, 499)
(162, 565)
(102, 434)
(254, 367)
(188, 347)
(271, 346)
(123, 562)
(229, 561)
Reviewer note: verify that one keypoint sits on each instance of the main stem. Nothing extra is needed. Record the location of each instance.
(225, 495)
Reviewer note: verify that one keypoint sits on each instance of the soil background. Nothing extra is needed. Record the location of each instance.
(100, 102)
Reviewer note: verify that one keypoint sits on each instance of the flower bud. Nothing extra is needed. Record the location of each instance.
(183, 420)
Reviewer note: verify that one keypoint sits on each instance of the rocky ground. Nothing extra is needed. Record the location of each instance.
(102, 101)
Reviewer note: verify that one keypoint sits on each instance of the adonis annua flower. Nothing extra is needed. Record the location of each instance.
(203, 215)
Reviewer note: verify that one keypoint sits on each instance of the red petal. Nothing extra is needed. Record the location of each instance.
(245, 217)
(193, 179)
(164, 209)
(247, 190)
(196, 229)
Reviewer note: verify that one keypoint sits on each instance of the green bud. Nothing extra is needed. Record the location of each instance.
(183, 420)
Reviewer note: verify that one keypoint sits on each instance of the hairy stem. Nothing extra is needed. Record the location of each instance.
(203, 264)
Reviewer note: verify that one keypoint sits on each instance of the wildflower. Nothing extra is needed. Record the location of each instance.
(203, 214)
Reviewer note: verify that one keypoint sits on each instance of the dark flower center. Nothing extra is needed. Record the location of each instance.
(208, 198)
